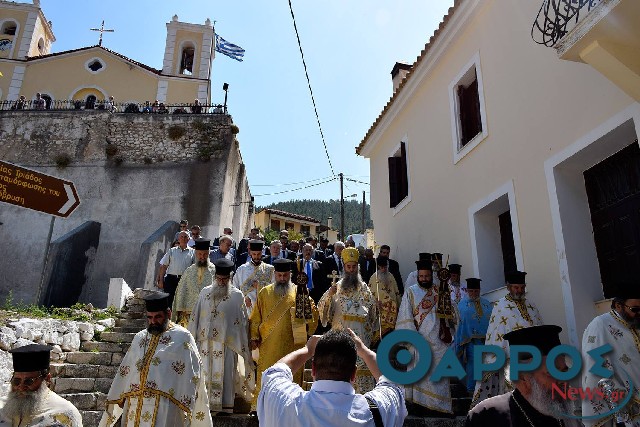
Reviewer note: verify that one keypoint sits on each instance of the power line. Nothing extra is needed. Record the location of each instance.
(295, 189)
(306, 73)
(290, 183)
(355, 180)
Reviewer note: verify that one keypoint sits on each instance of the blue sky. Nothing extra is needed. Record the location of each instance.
(350, 47)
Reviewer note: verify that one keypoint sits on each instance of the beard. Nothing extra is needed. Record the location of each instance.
(518, 297)
(158, 329)
(202, 263)
(634, 321)
(426, 284)
(543, 402)
(282, 287)
(220, 289)
(351, 281)
(21, 404)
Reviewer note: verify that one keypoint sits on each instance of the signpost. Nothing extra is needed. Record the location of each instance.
(37, 191)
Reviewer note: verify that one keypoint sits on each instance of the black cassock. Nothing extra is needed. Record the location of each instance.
(503, 411)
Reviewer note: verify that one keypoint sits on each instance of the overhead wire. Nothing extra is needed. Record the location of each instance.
(295, 189)
(289, 183)
(306, 73)
(355, 180)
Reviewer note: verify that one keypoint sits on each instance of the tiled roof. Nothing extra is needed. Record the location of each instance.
(64, 52)
(421, 57)
(291, 215)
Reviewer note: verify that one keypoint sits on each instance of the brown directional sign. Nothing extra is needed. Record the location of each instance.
(34, 190)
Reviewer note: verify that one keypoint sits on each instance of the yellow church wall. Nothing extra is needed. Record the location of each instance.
(182, 91)
(124, 81)
(6, 69)
(182, 37)
(39, 32)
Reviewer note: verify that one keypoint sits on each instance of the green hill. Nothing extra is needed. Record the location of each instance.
(322, 209)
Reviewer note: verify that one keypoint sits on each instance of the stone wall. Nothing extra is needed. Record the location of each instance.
(133, 173)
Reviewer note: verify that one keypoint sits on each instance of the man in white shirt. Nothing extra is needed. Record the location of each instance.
(332, 401)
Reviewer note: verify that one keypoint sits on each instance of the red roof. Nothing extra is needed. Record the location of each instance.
(291, 215)
(419, 59)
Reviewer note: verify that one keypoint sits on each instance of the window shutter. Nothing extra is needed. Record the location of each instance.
(394, 167)
(403, 173)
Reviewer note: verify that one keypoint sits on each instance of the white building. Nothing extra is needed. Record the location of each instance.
(502, 152)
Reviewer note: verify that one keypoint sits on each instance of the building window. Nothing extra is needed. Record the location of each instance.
(305, 230)
(289, 226)
(95, 65)
(469, 114)
(8, 28)
(41, 48)
(275, 224)
(468, 119)
(186, 60)
(398, 176)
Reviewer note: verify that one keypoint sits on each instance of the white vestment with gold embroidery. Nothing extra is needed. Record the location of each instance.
(220, 326)
(159, 383)
(418, 313)
(54, 411)
(623, 361)
(249, 273)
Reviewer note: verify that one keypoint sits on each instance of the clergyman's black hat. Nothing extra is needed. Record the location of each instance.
(256, 245)
(515, 277)
(382, 261)
(543, 337)
(30, 358)
(282, 265)
(424, 255)
(473, 283)
(424, 264)
(223, 266)
(202, 245)
(455, 268)
(156, 301)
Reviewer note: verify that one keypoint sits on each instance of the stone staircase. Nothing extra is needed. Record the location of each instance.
(85, 376)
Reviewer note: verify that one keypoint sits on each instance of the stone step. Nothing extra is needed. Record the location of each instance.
(94, 358)
(117, 337)
(100, 346)
(127, 329)
(91, 418)
(70, 370)
(132, 315)
(87, 401)
(81, 385)
(132, 323)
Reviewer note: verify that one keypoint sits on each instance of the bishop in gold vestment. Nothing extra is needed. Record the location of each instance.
(385, 290)
(274, 325)
(350, 304)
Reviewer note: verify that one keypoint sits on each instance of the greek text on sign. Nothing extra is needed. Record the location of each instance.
(38, 191)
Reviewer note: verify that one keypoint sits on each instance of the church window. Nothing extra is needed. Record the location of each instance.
(41, 48)
(9, 28)
(95, 65)
(466, 96)
(398, 176)
(186, 60)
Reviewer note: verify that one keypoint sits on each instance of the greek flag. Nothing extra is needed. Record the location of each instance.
(229, 49)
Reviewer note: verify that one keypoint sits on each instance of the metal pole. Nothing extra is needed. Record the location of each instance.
(341, 206)
(363, 206)
(44, 261)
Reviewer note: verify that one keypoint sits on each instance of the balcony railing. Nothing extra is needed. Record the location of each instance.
(127, 107)
(557, 17)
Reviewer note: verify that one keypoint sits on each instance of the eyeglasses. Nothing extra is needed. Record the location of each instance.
(28, 382)
(634, 309)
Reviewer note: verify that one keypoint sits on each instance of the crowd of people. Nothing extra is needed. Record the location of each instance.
(233, 322)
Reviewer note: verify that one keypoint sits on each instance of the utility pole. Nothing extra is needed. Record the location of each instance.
(363, 206)
(341, 206)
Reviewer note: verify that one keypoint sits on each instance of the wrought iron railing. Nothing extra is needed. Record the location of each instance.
(557, 17)
(126, 107)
